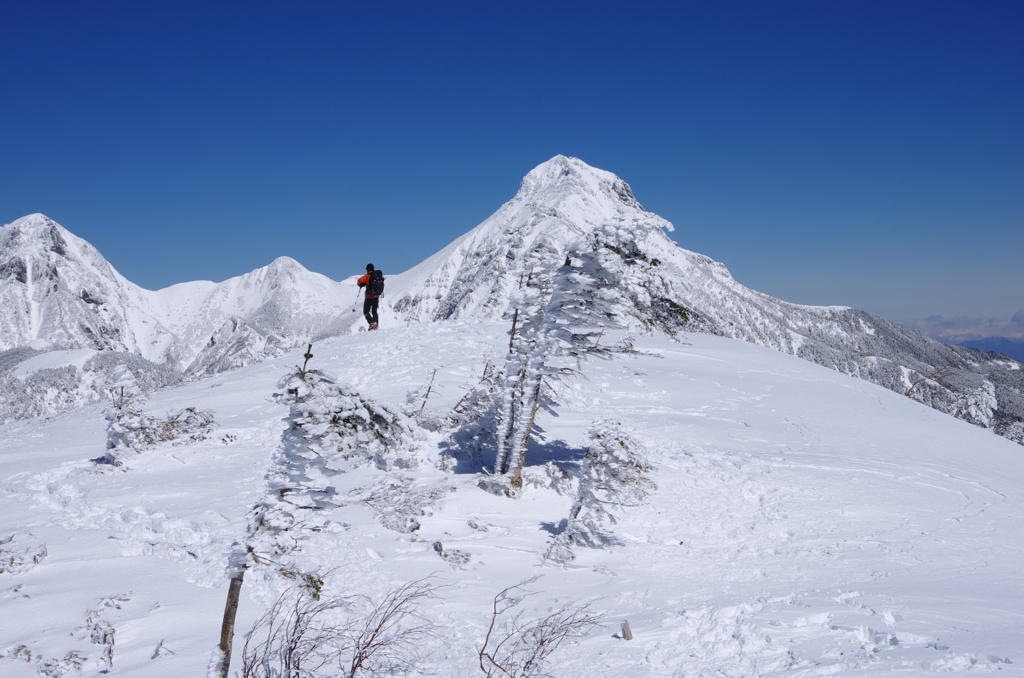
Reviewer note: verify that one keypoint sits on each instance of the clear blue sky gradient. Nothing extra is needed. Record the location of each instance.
(859, 153)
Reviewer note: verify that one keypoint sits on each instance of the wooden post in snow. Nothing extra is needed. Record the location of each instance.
(626, 633)
(227, 627)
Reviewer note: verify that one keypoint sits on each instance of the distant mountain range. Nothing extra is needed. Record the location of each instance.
(56, 288)
(1014, 349)
(70, 323)
(57, 293)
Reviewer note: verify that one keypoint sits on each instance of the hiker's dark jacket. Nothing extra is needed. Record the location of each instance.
(365, 282)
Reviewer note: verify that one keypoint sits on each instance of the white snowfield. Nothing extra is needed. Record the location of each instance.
(807, 523)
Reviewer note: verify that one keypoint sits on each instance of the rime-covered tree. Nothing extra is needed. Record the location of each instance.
(978, 405)
(335, 421)
(131, 429)
(521, 386)
(562, 311)
(613, 475)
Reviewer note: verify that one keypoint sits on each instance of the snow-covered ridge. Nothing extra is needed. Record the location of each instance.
(564, 206)
(804, 523)
(58, 294)
(57, 287)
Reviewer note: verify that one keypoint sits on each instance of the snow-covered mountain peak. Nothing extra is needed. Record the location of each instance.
(39, 239)
(286, 268)
(58, 287)
(561, 204)
(569, 175)
(285, 264)
(279, 271)
(34, 235)
(32, 225)
(581, 193)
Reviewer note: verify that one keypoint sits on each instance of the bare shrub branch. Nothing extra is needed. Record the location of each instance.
(938, 378)
(515, 648)
(305, 637)
(300, 639)
(391, 634)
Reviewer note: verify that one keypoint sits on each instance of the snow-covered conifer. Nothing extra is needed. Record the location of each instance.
(335, 421)
(613, 475)
(561, 311)
(522, 384)
(978, 406)
(1014, 430)
(131, 428)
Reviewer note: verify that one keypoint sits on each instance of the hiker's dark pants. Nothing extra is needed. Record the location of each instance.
(370, 309)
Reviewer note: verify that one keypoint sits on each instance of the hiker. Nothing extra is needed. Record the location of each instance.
(373, 281)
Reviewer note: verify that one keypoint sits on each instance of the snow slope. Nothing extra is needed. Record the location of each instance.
(806, 524)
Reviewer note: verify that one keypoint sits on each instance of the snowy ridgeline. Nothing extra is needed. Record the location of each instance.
(56, 287)
(59, 295)
(626, 272)
(569, 212)
(745, 512)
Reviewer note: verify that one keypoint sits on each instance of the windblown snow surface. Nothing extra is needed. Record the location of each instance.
(807, 523)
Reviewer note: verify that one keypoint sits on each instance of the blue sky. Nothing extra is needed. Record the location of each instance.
(859, 153)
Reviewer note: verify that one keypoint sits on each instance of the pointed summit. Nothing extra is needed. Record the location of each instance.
(563, 177)
(57, 287)
(33, 234)
(560, 204)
